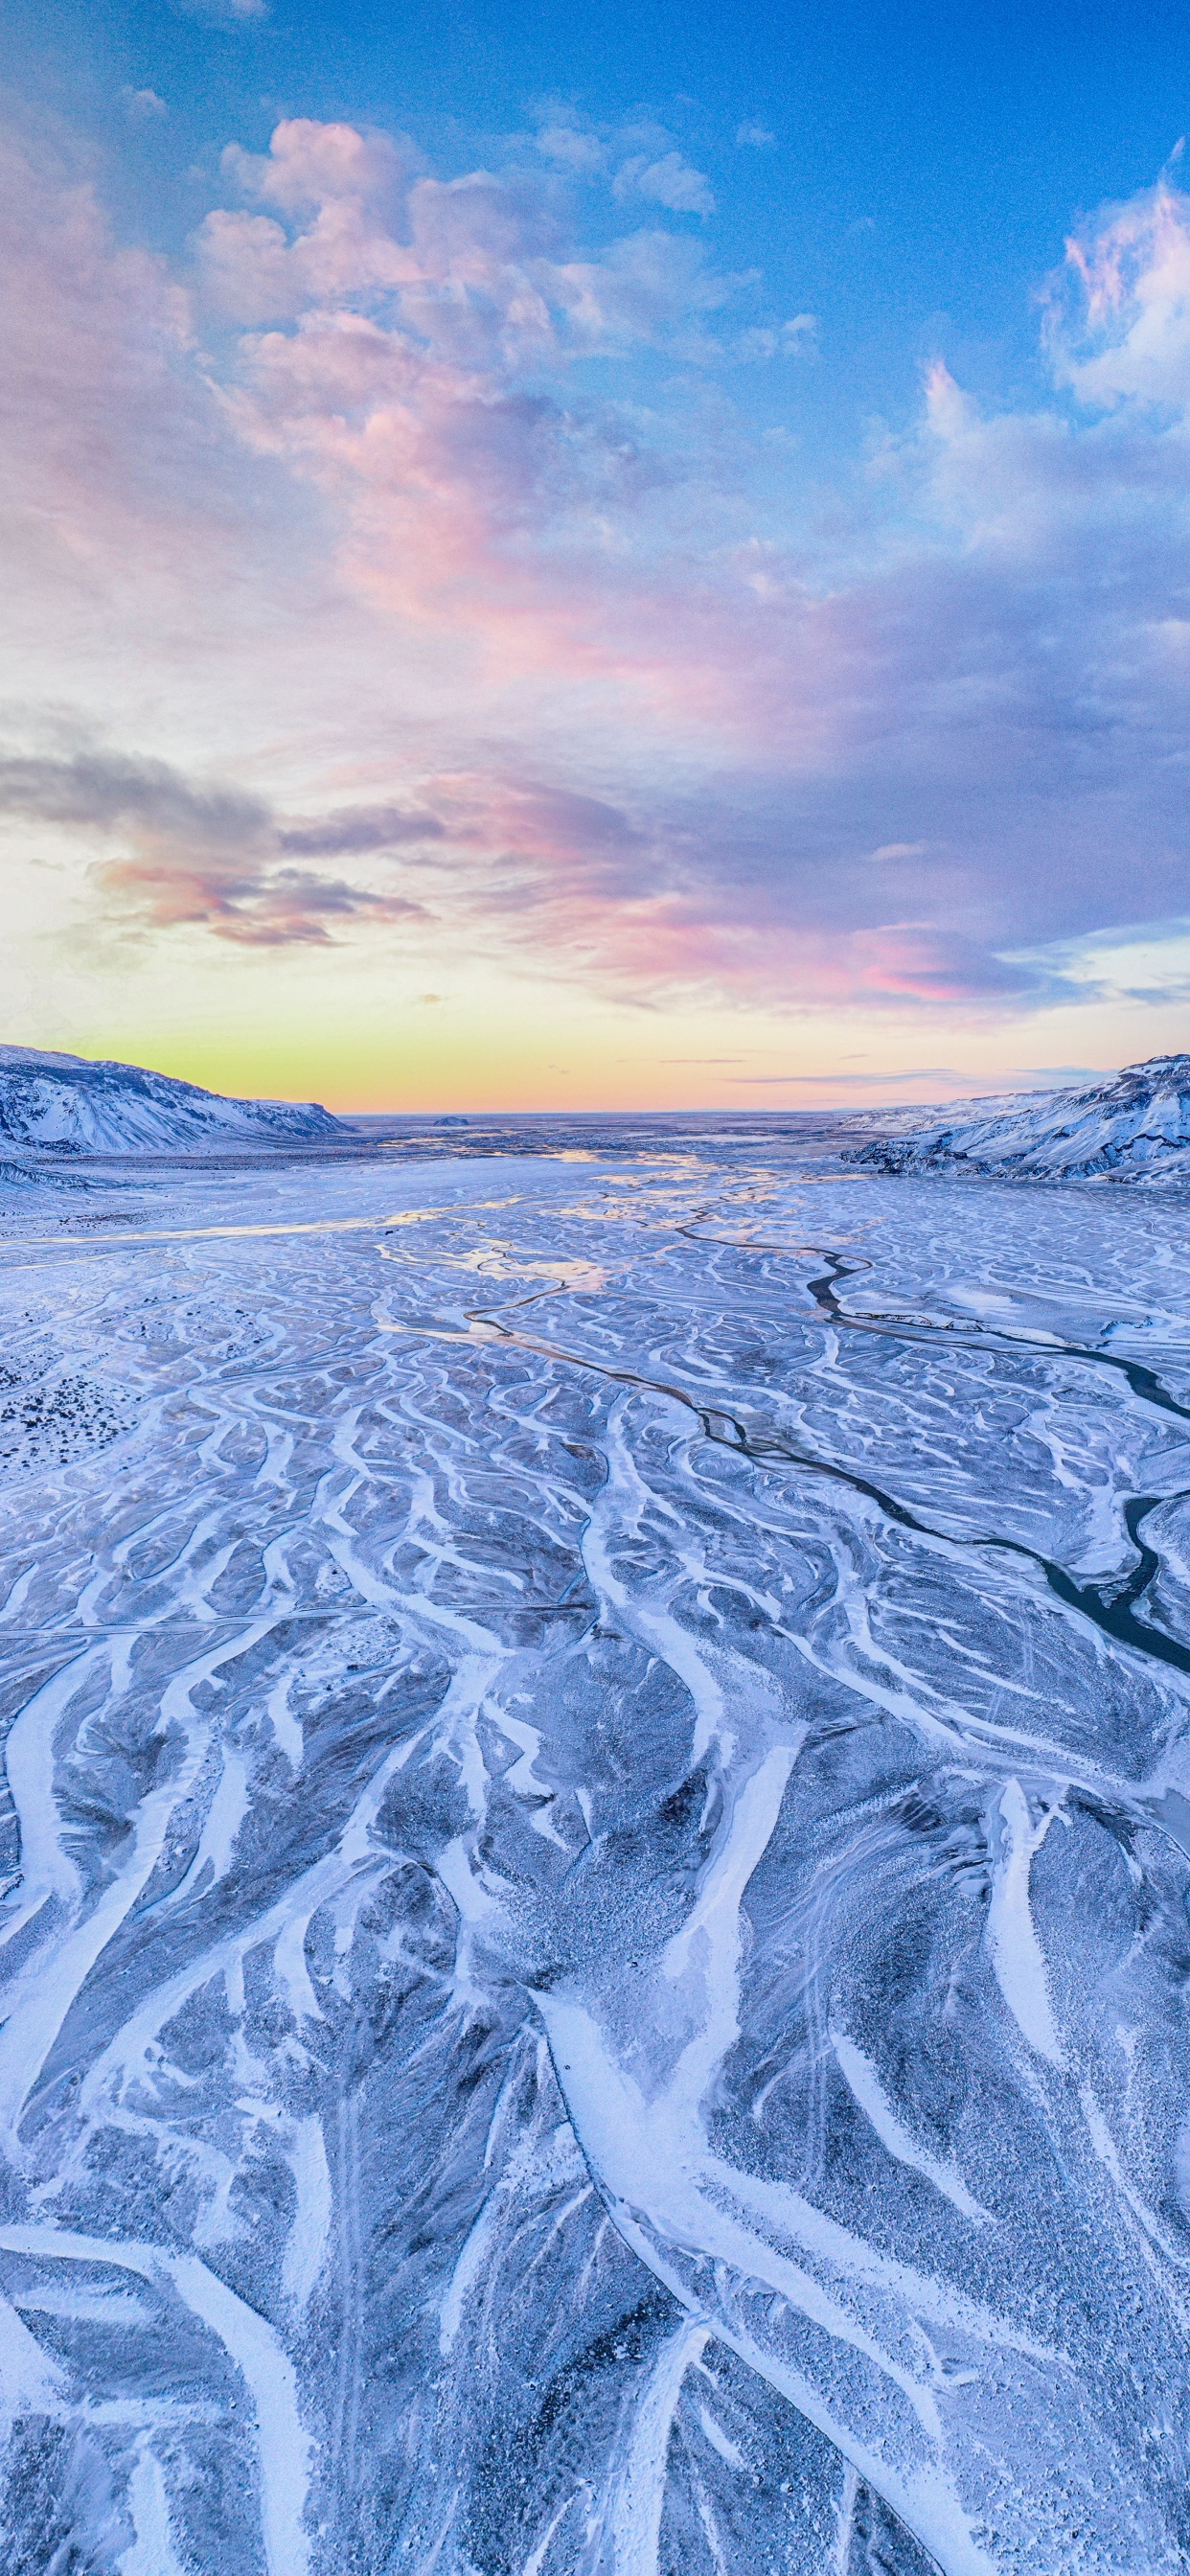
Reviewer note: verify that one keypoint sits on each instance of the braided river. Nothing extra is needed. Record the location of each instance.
(594, 1865)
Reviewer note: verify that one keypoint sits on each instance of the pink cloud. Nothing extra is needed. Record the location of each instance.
(206, 855)
(254, 273)
(1130, 342)
(681, 716)
(478, 267)
(309, 166)
(285, 908)
(409, 314)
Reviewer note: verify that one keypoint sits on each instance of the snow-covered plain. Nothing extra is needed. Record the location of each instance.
(595, 1949)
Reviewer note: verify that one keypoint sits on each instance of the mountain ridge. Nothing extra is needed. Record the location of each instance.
(1131, 1126)
(60, 1104)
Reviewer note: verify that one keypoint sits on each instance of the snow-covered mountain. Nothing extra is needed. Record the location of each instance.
(69, 1104)
(1135, 1125)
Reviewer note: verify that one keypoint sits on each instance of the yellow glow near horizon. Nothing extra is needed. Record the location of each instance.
(541, 1052)
(424, 1026)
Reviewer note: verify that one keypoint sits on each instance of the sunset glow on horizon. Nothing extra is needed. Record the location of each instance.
(638, 567)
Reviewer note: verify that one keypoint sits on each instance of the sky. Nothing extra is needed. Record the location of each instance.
(591, 558)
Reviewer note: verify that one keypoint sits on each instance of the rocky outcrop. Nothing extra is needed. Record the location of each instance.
(68, 1104)
(1134, 1125)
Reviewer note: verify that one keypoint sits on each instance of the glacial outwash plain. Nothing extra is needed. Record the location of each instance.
(593, 1920)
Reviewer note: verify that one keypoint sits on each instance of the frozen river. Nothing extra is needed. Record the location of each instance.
(594, 1937)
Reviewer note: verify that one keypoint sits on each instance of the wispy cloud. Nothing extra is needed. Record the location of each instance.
(209, 856)
(792, 339)
(1118, 325)
(224, 13)
(669, 181)
(572, 147)
(142, 106)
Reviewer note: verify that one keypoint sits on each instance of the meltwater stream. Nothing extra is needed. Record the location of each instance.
(593, 1933)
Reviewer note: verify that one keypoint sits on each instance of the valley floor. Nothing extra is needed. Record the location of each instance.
(594, 1945)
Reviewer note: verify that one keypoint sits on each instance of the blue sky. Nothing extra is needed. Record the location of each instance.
(925, 167)
(597, 554)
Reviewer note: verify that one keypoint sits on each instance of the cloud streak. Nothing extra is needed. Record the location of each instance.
(210, 857)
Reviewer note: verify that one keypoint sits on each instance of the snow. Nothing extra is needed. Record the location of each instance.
(594, 1884)
(68, 1104)
(1135, 1126)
